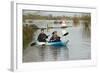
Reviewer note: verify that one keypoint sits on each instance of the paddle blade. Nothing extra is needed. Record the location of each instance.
(32, 44)
(66, 34)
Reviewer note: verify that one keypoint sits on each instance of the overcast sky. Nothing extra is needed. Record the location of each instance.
(46, 13)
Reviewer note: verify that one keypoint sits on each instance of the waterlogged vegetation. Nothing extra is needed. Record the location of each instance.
(76, 19)
(28, 32)
(40, 17)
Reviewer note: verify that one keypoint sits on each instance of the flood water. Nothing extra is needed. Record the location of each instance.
(78, 47)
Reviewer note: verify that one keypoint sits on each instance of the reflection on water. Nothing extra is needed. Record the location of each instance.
(47, 53)
(53, 54)
(78, 47)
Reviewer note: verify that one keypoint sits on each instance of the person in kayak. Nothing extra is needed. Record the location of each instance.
(42, 36)
(55, 37)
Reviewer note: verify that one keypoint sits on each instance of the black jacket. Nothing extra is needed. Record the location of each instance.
(42, 37)
(56, 39)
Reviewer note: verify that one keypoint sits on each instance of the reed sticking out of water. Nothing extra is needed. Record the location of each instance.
(75, 20)
(87, 24)
(28, 32)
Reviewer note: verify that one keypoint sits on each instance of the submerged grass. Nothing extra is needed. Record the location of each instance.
(28, 32)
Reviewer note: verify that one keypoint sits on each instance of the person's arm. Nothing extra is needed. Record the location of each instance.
(58, 39)
(45, 36)
(51, 38)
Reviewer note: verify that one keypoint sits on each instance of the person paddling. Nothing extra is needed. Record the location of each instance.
(42, 36)
(55, 37)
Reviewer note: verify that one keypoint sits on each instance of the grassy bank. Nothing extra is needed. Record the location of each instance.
(28, 32)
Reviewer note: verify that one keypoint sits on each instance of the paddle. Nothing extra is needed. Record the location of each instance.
(66, 33)
(34, 43)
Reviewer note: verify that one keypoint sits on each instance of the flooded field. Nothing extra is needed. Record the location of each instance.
(78, 47)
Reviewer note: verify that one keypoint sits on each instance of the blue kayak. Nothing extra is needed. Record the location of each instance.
(57, 44)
